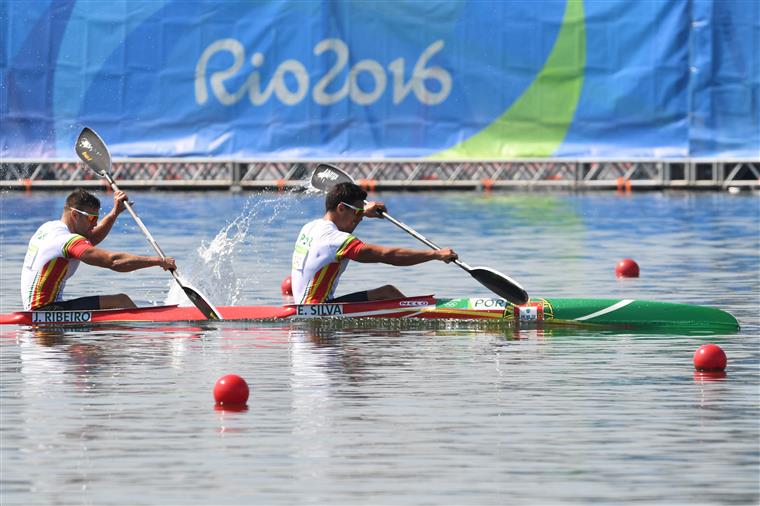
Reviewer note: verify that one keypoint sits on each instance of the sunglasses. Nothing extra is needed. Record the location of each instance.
(92, 218)
(358, 211)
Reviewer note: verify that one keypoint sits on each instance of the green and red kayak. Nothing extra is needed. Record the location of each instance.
(604, 312)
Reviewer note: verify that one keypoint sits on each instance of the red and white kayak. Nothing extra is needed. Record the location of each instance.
(608, 312)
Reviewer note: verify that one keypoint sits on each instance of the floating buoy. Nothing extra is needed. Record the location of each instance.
(710, 358)
(231, 391)
(627, 268)
(287, 286)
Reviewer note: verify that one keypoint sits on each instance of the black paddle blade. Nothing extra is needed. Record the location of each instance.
(202, 304)
(93, 152)
(326, 176)
(500, 284)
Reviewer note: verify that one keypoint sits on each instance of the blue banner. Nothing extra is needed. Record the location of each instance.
(342, 79)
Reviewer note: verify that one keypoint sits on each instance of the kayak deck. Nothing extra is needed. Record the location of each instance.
(607, 312)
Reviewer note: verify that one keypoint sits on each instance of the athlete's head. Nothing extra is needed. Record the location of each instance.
(348, 193)
(82, 199)
(80, 213)
(345, 206)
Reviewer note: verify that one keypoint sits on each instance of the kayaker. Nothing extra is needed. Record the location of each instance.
(57, 247)
(324, 247)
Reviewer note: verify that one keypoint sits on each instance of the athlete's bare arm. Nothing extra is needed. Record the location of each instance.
(124, 262)
(101, 230)
(371, 253)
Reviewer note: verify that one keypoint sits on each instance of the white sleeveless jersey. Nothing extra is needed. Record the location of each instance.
(320, 256)
(50, 260)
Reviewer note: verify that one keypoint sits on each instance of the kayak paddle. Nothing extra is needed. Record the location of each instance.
(94, 153)
(326, 176)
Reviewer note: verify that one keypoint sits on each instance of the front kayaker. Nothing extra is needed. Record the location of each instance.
(324, 247)
(57, 247)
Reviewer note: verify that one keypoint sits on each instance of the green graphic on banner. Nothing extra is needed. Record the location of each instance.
(537, 122)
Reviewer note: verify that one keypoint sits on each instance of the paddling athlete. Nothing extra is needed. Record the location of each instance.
(57, 247)
(325, 246)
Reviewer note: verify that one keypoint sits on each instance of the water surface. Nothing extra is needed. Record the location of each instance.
(390, 413)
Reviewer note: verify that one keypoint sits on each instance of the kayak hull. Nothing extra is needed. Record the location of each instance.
(606, 312)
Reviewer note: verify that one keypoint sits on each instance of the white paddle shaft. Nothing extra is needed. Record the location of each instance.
(148, 235)
(137, 219)
(409, 230)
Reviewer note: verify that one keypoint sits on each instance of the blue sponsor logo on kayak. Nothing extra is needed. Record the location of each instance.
(413, 303)
(61, 316)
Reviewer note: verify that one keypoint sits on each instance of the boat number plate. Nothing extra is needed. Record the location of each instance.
(61, 316)
(319, 310)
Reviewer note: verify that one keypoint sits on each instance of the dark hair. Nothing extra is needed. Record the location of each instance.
(343, 192)
(80, 198)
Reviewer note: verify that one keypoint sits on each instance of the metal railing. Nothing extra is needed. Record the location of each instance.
(393, 174)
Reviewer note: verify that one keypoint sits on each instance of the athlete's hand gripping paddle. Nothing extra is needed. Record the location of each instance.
(326, 176)
(93, 152)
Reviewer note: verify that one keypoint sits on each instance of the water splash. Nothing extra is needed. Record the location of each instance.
(213, 271)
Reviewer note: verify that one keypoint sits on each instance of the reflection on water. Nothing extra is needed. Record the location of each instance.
(391, 412)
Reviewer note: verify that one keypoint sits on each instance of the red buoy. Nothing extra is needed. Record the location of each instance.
(287, 286)
(231, 390)
(627, 268)
(710, 358)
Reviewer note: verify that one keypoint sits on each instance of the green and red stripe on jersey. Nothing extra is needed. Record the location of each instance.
(49, 280)
(75, 246)
(322, 283)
